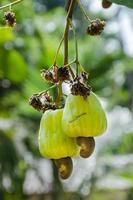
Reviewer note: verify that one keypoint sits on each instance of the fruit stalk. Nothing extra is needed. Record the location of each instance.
(60, 93)
(83, 11)
(76, 48)
(55, 59)
(69, 16)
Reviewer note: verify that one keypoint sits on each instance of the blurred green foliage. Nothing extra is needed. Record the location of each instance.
(124, 2)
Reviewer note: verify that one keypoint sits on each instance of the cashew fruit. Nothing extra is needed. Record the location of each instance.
(53, 142)
(83, 117)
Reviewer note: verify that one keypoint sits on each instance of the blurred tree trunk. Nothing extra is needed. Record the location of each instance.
(130, 87)
(130, 194)
(1, 194)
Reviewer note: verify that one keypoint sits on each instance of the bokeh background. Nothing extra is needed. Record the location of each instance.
(30, 47)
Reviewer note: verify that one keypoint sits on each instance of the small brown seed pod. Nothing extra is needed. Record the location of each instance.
(64, 166)
(87, 146)
(106, 4)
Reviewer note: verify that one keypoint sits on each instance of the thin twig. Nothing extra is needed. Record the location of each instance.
(69, 16)
(67, 5)
(76, 48)
(60, 94)
(42, 92)
(10, 4)
(66, 43)
(83, 11)
(70, 63)
(65, 37)
(55, 59)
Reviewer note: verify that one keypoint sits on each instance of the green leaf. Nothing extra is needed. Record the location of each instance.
(16, 67)
(6, 34)
(128, 3)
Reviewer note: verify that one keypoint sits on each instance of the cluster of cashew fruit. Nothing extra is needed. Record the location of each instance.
(69, 131)
(68, 128)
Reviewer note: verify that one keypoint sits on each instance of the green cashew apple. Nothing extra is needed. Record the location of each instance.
(83, 117)
(53, 142)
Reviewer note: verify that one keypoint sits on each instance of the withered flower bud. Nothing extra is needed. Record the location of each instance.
(96, 27)
(10, 18)
(56, 74)
(63, 74)
(84, 77)
(42, 102)
(47, 75)
(48, 97)
(78, 88)
(35, 102)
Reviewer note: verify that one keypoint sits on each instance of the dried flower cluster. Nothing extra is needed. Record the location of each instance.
(56, 74)
(10, 18)
(96, 27)
(42, 102)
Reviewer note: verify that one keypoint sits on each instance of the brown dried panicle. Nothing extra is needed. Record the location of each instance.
(45, 97)
(50, 75)
(47, 75)
(48, 97)
(10, 18)
(42, 102)
(63, 73)
(84, 77)
(35, 102)
(56, 74)
(78, 88)
(96, 27)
